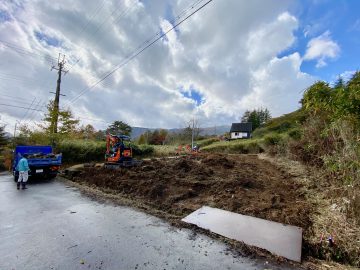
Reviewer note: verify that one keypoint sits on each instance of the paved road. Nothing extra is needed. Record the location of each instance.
(52, 226)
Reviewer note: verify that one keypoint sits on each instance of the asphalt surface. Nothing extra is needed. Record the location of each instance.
(53, 226)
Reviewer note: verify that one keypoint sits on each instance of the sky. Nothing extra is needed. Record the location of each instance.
(229, 57)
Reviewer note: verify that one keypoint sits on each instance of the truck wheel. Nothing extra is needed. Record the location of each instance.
(52, 176)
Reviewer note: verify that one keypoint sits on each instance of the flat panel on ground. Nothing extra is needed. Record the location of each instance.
(280, 239)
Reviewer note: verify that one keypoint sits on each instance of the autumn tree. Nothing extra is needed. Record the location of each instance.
(67, 123)
(158, 137)
(3, 138)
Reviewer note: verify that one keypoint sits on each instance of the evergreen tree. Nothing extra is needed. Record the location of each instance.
(256, 117)
(119, 127)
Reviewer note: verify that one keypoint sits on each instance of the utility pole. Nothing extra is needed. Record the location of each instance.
(17, 122)
(60, 69)
(192, 134)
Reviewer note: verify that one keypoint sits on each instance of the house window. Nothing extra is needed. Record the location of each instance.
(236, 134)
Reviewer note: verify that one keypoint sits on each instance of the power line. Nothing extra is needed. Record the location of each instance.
(27, 111)
(25, 51)
(97, 29)
(131, 57)
(33, 113)
(172, 22)
(17, 78)
(21, 107)
(97, 10)
(18, 99)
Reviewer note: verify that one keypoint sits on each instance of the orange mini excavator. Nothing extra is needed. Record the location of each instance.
(118, 152)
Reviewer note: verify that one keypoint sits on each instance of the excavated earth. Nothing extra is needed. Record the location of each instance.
(240, 183)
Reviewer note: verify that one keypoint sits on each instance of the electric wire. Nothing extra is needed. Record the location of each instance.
(27, 111)
(32, 114)
(25, 51)
(21, 107)
(96, 11)
(42, 111)
(131, 57)
(121, 14)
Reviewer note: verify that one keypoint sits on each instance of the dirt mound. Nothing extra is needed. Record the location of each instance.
(243, 184)
(184, 165)
(218, 161)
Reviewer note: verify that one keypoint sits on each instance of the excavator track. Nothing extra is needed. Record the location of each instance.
(124, 164)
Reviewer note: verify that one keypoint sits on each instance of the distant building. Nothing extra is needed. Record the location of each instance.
(240, 130)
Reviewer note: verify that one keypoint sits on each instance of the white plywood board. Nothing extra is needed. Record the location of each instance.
(280, 239)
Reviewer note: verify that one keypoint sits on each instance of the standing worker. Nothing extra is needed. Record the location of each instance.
(23, 168)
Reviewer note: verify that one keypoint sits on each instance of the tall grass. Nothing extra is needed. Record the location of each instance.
(249, 146)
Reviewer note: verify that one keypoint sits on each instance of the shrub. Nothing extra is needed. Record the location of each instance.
(254, 147)
(142, 150)
(272, 139)
(295, 133)
(81, 151)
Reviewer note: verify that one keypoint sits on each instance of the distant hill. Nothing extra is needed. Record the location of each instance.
(216, 130)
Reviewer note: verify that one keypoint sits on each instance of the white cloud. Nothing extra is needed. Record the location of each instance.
(282, 94)
(322, 48)
(228, 53)
(272, 38)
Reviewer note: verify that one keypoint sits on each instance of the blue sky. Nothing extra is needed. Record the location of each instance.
(341, 18)
(192, 94)
(51, 41)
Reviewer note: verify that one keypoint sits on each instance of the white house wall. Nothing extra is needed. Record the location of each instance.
(239, 135)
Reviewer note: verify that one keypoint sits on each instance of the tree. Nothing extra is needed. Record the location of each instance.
(87, 132)
(100, 135)
(256, 117)
(246, 116)
(119, 127)
(264, 116)
(142, 139)
(318, 98)
(66, 123)
(3, 138)
(156, 137)
(163, 133)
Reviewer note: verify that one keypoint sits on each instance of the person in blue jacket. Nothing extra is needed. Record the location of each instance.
(23, 168)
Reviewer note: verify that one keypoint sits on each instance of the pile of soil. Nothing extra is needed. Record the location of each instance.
(242, 184)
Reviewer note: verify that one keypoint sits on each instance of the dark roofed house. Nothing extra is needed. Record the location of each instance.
(240, 130)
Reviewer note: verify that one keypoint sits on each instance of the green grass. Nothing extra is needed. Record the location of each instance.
(274, 133)
(164, 150)
(247, 146)
(206, 142)
(282, 124)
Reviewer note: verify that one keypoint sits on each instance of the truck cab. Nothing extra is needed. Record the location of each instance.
(41, 160)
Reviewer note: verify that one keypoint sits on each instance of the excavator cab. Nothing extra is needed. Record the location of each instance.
(118, 151)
